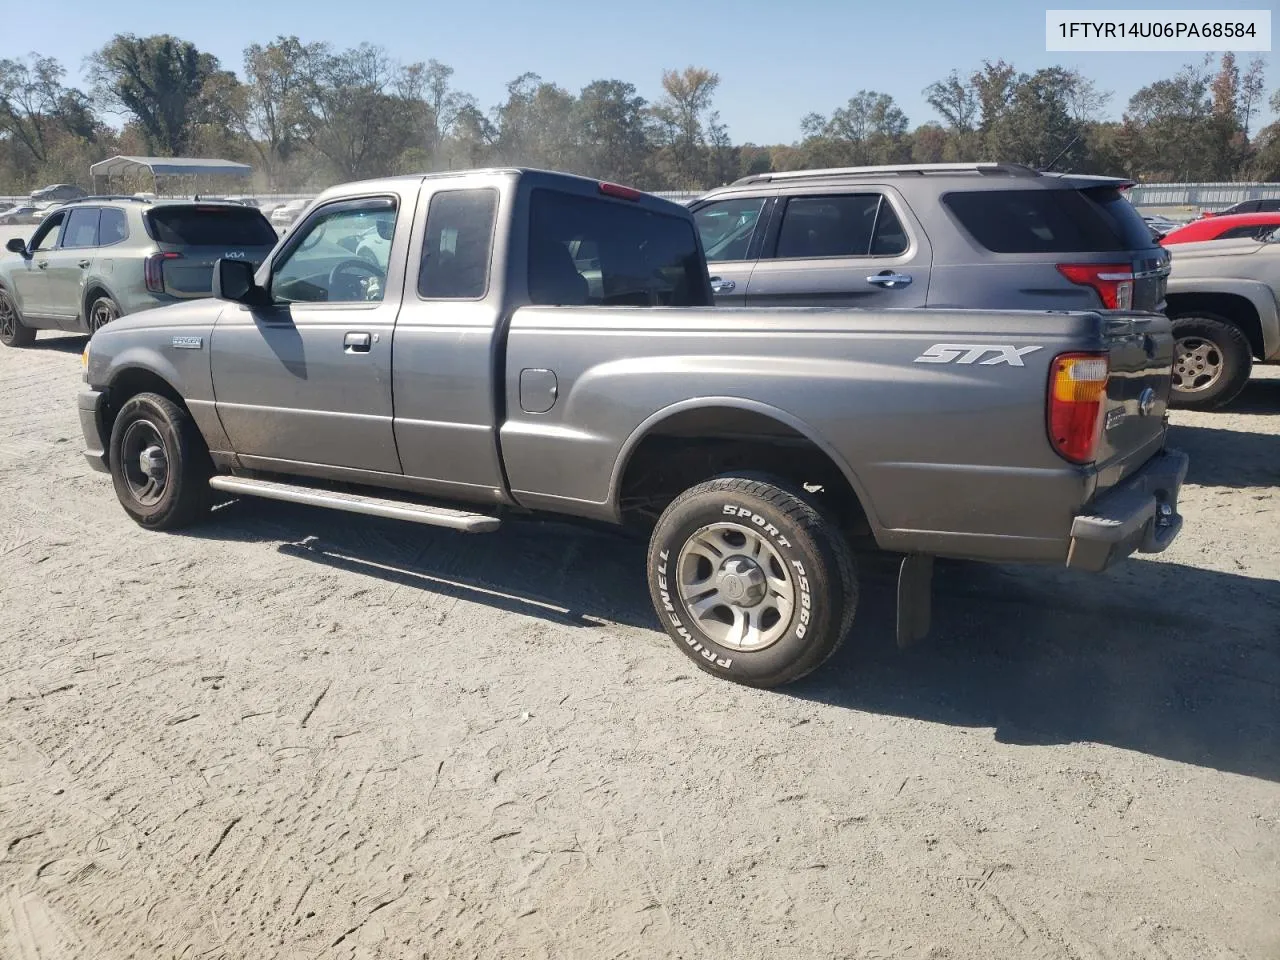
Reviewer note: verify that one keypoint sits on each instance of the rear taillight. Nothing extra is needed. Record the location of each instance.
(153, 270)
(1113, 281)
(1077, 391)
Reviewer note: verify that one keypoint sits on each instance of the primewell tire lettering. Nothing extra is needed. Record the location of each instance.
(806, 602)
(670, 609)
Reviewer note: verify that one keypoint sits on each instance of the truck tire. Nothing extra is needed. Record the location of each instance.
(13, 333)
(160, 466)
(750, 581)
(1212, 361)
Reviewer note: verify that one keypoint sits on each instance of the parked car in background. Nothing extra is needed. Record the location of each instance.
(1161, 226)
(21, 214)
(58, 192)
(1223, 302)
(1253, 226)
(284, 215)
(990, 235)
(96, 259)
(1271, 205)
(532, 374)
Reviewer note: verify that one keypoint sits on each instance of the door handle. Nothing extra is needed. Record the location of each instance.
(722, 286)
(356, 343)
(85, 263)
(891, 281)
(42, 264)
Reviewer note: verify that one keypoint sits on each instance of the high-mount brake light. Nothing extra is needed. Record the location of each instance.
(1077, 392)
(1113, 281)
(621, 192)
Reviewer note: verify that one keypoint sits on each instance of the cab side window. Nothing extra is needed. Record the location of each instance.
(458, 245)
(46, 237)
(728, 226)
(82, 228)
(852, 225)
(341, 256)
(113, 227)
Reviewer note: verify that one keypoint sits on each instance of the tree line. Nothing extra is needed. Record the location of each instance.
(308, 114)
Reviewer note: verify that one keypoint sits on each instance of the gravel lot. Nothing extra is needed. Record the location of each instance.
(292, 733)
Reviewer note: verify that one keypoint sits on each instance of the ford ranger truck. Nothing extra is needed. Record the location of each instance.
(460, 349)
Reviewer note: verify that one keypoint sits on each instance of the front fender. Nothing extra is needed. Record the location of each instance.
(1256, 292)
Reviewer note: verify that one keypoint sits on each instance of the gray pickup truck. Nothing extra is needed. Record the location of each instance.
(456, 349)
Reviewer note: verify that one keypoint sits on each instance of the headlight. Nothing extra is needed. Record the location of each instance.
(84, 360)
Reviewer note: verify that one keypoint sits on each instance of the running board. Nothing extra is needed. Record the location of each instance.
(357, 503)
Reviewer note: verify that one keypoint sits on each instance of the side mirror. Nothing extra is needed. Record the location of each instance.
(386, 230)
(233, 280)
(16, 245)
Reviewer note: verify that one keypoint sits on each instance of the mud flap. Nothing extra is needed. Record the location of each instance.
(915, 598)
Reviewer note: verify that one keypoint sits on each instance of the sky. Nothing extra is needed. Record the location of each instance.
(776, 63)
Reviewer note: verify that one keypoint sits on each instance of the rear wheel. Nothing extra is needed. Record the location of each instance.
(13, 333)
(750, 581)
(1212, 361)
(160, 466)
(101, 312)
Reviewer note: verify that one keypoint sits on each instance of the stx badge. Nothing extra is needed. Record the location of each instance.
(970, 352)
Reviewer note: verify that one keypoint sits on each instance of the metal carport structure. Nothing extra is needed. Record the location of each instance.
(189, 171)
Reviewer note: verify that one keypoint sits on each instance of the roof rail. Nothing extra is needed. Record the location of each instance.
(105, 196)
(907, 169)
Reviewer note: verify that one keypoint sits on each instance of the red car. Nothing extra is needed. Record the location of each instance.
(1228, 227)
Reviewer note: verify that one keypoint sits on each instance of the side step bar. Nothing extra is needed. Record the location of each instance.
(357, 503)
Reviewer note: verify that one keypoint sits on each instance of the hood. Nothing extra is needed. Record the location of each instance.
(190, 316)
(1181, 253)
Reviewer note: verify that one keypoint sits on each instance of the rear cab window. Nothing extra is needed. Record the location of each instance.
(587, 250)
(209, 226)
(1094, 219)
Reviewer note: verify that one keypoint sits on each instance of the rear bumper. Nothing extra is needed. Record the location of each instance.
(92, 404)
(1139, 514)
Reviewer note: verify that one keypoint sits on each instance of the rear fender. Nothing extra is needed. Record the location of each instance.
(655, 420)
(94, 287)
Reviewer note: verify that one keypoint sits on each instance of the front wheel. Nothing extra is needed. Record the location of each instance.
(750, 581)
(160, 466)
(13, 332)
(1212, 361)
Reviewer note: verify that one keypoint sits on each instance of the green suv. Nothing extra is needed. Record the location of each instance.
(99, 258)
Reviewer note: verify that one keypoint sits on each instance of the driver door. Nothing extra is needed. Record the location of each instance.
(31, 277)
(306, 382)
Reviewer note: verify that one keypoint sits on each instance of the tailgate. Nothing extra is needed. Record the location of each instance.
(1134, 415)
(188, 271)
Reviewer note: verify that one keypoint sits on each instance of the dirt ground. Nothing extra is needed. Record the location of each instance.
(292, 733)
